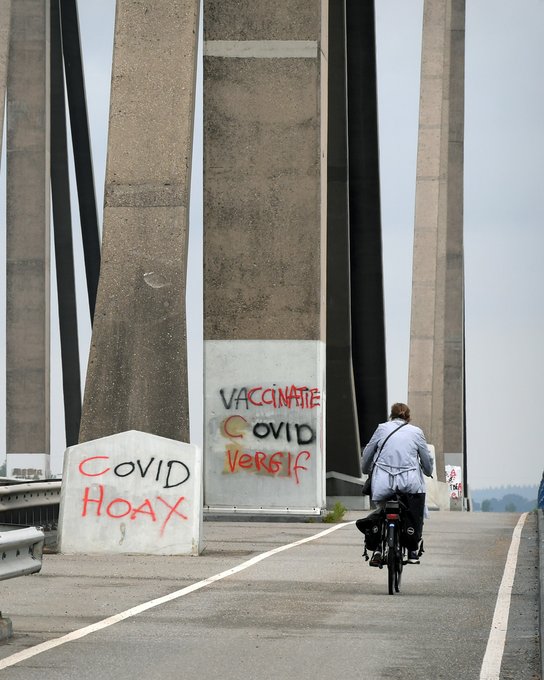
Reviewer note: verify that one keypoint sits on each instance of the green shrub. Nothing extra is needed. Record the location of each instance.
(336, 514)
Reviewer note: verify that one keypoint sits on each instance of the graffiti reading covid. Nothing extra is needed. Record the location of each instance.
(277, 445)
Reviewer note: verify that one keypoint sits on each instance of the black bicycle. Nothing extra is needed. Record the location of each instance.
(394, 553)
(392, 532)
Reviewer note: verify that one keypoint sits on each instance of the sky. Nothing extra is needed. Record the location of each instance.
(503, 218)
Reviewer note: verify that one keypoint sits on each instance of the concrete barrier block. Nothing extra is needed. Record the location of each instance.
(438, 495)
(6, 628)
(131, 492)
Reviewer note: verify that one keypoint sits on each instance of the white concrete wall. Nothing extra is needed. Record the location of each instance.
(132, 492)
(264, 426)
(438, 494)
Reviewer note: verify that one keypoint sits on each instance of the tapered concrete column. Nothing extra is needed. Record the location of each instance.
(27, 246)
(5, 12)
(435, 385)
(137, 373)
(264, 254)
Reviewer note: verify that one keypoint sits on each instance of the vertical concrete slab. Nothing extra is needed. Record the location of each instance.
(28, 239)
(454, 341)
(131, 493)
(5, 13)
(137, 373)
(264, 251)
(436, 372)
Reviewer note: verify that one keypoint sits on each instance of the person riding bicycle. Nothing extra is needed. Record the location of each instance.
(397, 457)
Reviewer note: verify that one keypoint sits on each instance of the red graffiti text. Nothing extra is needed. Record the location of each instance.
(281, 463)
(95, 505)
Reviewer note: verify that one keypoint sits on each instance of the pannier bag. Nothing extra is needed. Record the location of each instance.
(371, 527)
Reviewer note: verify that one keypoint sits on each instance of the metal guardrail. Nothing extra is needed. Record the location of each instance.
(20, 551)
(30, 503)
(540, 514)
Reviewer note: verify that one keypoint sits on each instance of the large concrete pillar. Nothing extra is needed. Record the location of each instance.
(435, 384)
(5, 12)
(264, 254)
(27, 244)
(137, 373)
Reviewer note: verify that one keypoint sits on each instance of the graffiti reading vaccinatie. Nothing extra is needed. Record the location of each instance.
(284, 440)
(168, 474)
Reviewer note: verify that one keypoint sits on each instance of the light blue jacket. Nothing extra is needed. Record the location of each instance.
(401, 463)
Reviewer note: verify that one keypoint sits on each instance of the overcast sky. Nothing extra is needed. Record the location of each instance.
(504, 210)
(503, 222)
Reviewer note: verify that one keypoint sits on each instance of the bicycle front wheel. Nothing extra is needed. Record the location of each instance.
(391, 571)
(398, 566)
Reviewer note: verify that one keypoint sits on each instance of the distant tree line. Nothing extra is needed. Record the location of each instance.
(509, 503)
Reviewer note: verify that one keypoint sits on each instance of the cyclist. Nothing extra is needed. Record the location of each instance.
(397, 461)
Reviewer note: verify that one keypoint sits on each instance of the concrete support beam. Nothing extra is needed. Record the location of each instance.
(264, 245)
(436, 373)
(62, 229)
(137, 373)
(343, 441)
(27, 306)
(367, 298)
(263, 170)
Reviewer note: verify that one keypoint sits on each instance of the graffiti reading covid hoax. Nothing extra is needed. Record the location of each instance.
(280, 443)
(100, 501)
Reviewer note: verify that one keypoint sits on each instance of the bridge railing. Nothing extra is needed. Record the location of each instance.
(30, 503)
(541, 576)
(20, 551)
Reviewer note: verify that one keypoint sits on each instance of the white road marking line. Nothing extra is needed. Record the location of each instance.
(491, 665)
(261, 49)
(111, 620)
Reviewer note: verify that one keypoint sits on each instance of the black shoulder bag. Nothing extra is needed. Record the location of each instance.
(367, 486)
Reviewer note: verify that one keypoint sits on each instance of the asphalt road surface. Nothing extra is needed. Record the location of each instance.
(313, 611)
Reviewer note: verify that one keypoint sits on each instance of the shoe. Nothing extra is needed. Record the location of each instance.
(376, 559)
(413, 557)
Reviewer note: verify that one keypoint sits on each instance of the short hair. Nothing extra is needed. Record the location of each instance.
(400, 410)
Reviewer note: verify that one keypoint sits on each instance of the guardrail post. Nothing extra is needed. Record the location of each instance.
(6, 628)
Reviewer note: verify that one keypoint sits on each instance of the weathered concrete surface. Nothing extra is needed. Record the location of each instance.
(5, 17)
(265, 123)
(132, 492)
(264, 434)
(28, 240)
(137, 373)
(264, 161)
(435, 383)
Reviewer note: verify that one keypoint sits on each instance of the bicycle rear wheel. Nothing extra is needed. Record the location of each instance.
(394, 559)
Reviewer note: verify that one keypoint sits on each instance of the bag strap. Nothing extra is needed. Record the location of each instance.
(390, 435)
(384, 442)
